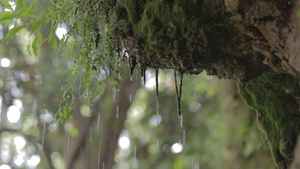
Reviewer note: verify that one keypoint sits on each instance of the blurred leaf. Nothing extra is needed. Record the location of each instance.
(28, 49)
(74, 132)
(53, 39)
(6, 4)
(178, 164)
(21, 4)
(6, 15)
(13, 31)
(37, 25)
(36, 42)
(25, 12)
(35, 3)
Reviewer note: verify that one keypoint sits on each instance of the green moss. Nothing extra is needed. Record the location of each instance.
(272, 96)
(185, 34)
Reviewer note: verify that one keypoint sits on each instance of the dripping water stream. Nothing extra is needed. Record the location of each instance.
(156, 94)
(178, 93)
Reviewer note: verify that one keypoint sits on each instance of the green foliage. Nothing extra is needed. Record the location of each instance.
(6, 4)
(88, 41)
(13, 31)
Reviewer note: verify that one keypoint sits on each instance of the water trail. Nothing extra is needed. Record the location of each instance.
(91, 133)
(103, 167)
(34, 106)
(143, 75)
(130, 97)
(181, 121)
(157, 104)
(132, 63)
(114, 94)
(98, 127)
(43, 137)
(99, 155)
(68, 141)
(183, 137)
(134, 160)
(178, 93)
(117, 112)
(145, 78)
(192, 163)
(157, 143)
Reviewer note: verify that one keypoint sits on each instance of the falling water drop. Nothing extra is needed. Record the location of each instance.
(91, 133)
(157, 143)
(157, 105)
(143, 75)
(98, 127)
(192, 163)
(181, 121)
(134, 160)
(132, 64)
(99, 155)
(114, 94)
(194, 95)
(117, 114)
(145, 78)
(183, 137)
(103, 167)
(43, 137)
(130, 97)
(68, 141)
(178, 93)
(34, 106)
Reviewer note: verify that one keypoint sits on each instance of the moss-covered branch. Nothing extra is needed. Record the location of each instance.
(274, 97)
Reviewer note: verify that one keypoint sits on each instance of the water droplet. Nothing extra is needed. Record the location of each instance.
(114, 94)
(157, 105)
(91, 133)
(99, 155)
(130, 97)
(34, 105)
(43, 137)
(181, 121)
(178, 93)
(117, 114)
(68, 141)
(98, 126)
(134, 160)
(183, 137)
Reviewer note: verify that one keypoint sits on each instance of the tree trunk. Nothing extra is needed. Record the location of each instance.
(253, 42)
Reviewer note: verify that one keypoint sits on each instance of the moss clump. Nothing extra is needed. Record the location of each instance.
(189, 35)
(274, 97)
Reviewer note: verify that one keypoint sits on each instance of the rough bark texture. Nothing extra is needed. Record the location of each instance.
(253, 42)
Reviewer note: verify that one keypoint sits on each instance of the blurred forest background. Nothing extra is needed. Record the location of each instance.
(128, 129)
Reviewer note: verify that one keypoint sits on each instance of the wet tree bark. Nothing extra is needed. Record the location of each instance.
(255, 43)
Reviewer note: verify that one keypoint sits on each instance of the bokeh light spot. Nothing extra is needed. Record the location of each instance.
(13, 114)
(5, 62)
(176, 148)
